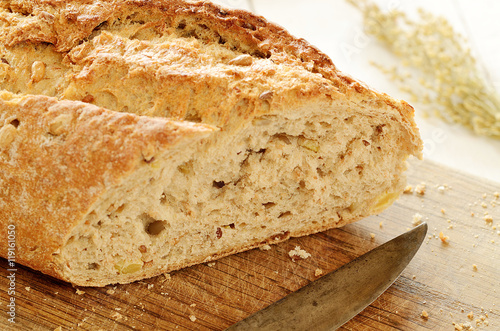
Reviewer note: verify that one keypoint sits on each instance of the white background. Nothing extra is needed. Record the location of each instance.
(329, 24)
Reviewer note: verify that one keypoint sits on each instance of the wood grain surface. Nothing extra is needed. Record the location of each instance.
(457, 281)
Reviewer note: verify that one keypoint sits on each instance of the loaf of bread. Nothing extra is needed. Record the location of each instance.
(140, 137)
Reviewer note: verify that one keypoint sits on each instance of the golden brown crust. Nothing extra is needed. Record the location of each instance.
(66, 24)
(63, 156)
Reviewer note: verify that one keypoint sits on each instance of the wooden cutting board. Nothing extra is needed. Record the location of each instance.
(449, 280)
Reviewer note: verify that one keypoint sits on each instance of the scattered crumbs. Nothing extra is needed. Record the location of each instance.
(470, 315)
(318, 272)
(443, 211)
(372, 236)
(381, 224)
(192, 318)
(150, 286)
(167, 276)
(488, 219)
(472, 214)
(424, 314)
(58, 328)
(413, 277)
(80, 292)
(116, 316)
(127, 293)
(443, 238)
(117, 308)
(417, 219)
(110, 291)
(420, 189)
(56, 293)
(192, 305)
(497, 195)
(474, 267)
(450, 227)
(211, 264)
(298, 252)
(265, 248)
(484, 205)
(463, 326)
(408, 189)
(27, 288)
(441, 189)
(484, 195)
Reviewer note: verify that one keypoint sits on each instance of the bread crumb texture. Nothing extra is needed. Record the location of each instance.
(166, 134)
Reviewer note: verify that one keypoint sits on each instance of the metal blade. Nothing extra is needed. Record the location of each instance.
(332, 300)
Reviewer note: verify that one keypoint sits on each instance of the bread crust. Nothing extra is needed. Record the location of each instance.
(58, 176)
(66, 24)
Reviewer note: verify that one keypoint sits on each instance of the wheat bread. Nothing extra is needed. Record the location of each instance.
(140, 137)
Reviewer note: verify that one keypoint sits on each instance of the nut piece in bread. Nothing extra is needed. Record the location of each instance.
(140, 137)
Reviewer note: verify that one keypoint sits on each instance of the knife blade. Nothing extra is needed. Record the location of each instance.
(332, 300)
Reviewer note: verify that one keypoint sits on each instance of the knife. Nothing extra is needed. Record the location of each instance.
(330, 301)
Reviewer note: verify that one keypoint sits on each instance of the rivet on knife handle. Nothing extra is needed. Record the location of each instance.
(332, 300)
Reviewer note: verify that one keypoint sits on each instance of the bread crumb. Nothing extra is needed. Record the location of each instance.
(381, 224)
(417, 219)
(474, 267)
(27, 288)
(420, 189)
(441, 189)
(265, 248)
(318, 272)
(110, 291)
(408, 189)
(372, 235)
(150, 286)
(58, 328)
(167, 276)
(463, 327)
(497, 195)
(488, 219)
(484, 205)
(192, 305)
(80, 292)
(298, 252)
(211, 264)
(424, 314)
(192, 318)
(116, 316)
(443, 211)
(443, 238)
(470, 315)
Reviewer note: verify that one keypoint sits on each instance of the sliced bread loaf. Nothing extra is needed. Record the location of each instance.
(140, 137)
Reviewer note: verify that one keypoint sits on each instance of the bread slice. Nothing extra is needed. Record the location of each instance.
(140, 137)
